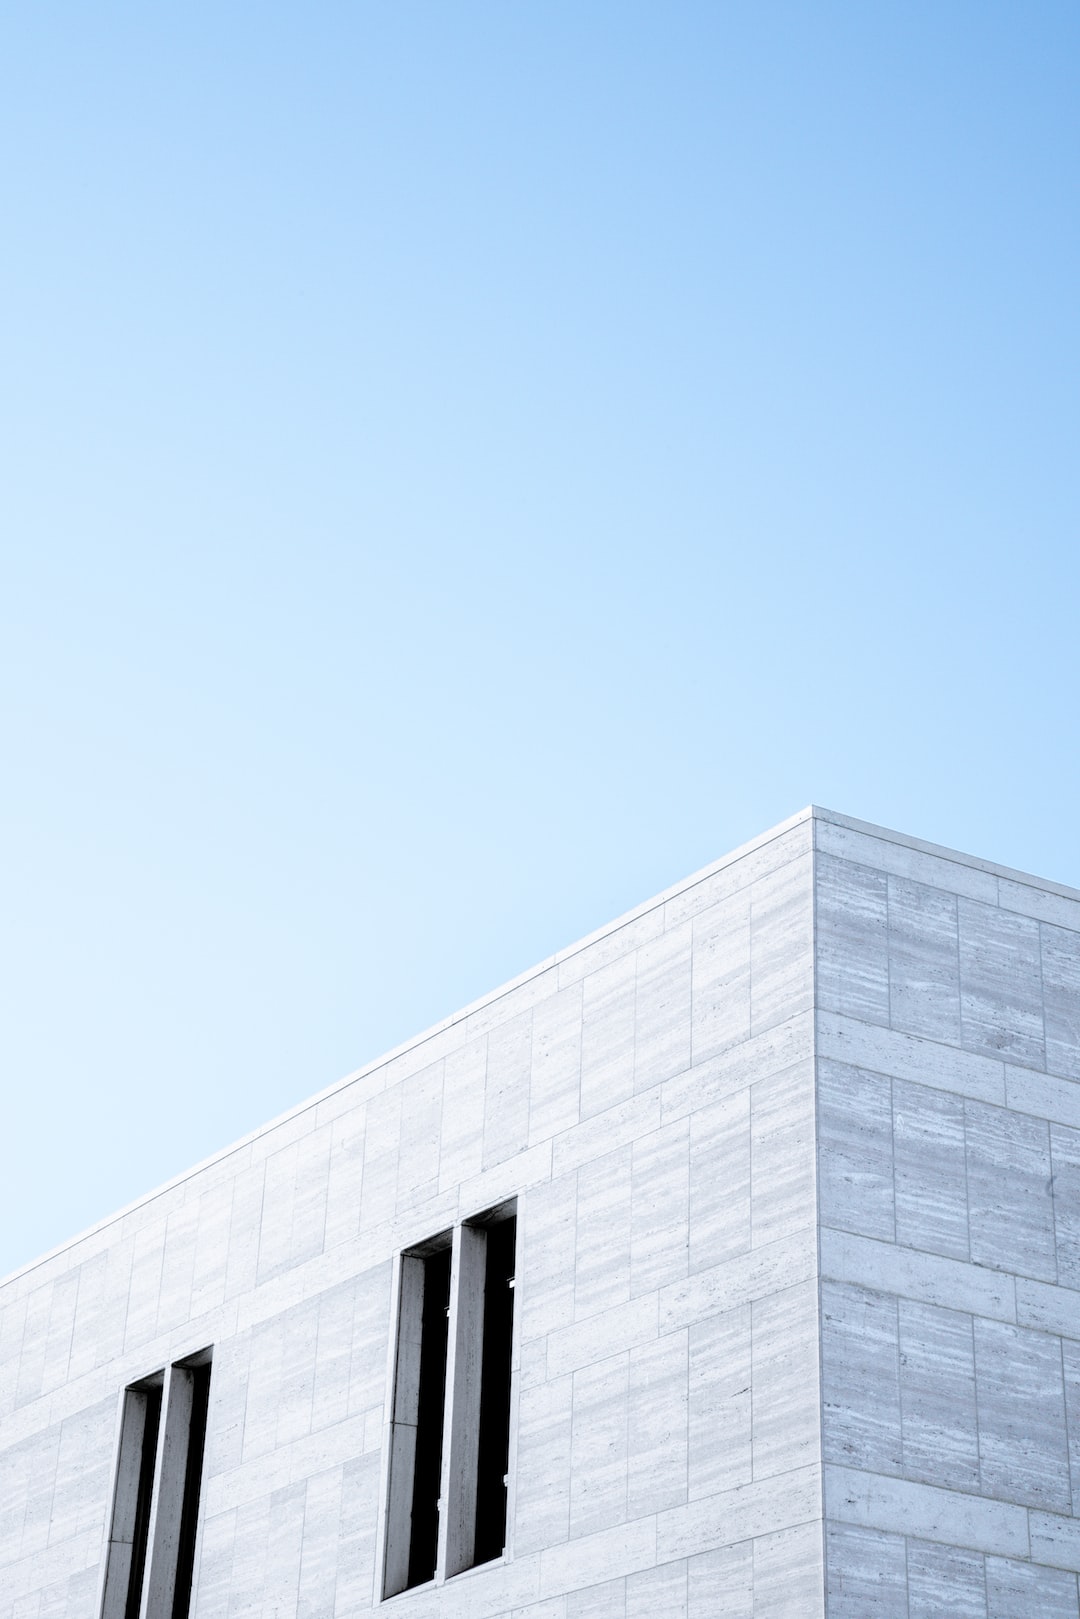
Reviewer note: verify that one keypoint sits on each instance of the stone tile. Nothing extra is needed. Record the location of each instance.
(898, 1505)
(905, 1056)
(370, 1338)
(620, 1126)
(937, 1396)
(720, 1583)
(734, 1069)
(789, 1574)
(461, 1145)
(600, 1336)
(929, 1277)
(382, 1150)
(543, 1466)
(1010, 1202)
(662, 1024)
(421, 1136)
(1055, 1539)
(547, 1248)
(318, 1558)
(786, 1423)
(344, 1178)
(354, 1589)
(592, 1559)
(553, 1608)
(282, 1578)
(1049, 1308)
(1022, 1437)
(934, 867)
(1070, 1359)
(945, 1580)
(333, 1356)
(602, 1268)
(607, 1036)
(782, 1180)
(555, 1086)
(506, 1089)
(860, 1378)
(1001, 984)
(657, 1430)
(1014, 1589)
(855, 1150)
(611, 944)
(781, 945)
(739, 1281)
(1031, 897)
(720, 1225)
(1065, 1169)
(607, 1601)
(739, 871)
(720, 1006)
(762, 1507)
(658, 1593)
(924, 961)
(659, 1208)
(1061, 999)
(930, 1170)
(852, 940)
(867, 1574)
(720, 1403)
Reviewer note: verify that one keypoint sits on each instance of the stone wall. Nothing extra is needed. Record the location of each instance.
(948, 1040)
(648, 1097)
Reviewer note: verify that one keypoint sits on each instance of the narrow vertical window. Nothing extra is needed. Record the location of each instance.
(446, 1510)
(416, 1442)
(151, 1552)
(494, 1434)
(480, 1411)
(126, 1553)
(189, 1516)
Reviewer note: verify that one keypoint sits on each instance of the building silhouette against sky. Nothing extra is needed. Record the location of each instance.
(725, 1266)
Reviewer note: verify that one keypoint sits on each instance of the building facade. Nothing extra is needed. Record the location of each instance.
(726, 1266)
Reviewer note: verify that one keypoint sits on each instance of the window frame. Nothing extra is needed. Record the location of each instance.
(462, 1405)
(156, 1496)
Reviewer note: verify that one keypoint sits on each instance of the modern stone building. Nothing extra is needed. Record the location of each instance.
(726, 1266)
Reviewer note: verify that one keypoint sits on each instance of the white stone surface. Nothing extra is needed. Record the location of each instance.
(796, 1149)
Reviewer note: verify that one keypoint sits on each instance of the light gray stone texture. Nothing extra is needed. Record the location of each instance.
(945, 1580)
(796, 1154)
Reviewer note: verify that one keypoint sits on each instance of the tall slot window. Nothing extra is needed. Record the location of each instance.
(450, 1426)
(150, 1556)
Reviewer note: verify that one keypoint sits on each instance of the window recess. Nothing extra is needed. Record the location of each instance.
(451, 1403)
(150, 1556)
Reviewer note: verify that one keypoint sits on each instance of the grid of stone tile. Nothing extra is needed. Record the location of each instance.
(948, 1039)
(649, 1099)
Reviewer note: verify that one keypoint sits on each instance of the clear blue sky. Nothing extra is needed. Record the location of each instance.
(466, 466)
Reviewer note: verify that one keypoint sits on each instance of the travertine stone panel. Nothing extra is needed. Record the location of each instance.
(956, 1100)
(853, 939)
(930, 1167)
(867, 1574)
(945, 1580)
(924, 961)
(938, 1396)
(855, 1133)
(649, 1097)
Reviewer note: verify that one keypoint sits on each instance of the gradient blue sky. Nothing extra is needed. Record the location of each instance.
(464, 467)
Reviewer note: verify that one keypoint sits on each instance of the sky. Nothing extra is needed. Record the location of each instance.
(465, 467)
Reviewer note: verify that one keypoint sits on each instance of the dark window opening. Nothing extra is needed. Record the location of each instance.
(494, 1436)
(450, 1420)
(150, 1557)
(189, 1514)
(427, 1475)
(148, 1403)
